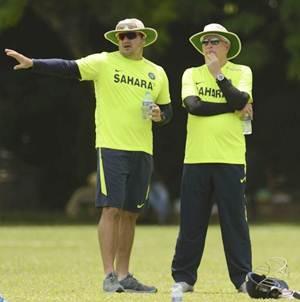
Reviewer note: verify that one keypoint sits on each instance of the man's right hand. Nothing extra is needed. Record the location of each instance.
(213, 64)
(24, 62)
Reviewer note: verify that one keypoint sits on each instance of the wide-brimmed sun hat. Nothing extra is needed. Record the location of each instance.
(217, 29)
(135, 25)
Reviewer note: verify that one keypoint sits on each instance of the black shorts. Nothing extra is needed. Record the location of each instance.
(123, 179)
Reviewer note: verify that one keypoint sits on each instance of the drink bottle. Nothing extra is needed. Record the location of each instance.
(147, 105)
(247, 124)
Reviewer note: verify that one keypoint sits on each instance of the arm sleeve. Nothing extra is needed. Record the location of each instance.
(166, 114)
(195, 106)
(57, 67)
(235, 98)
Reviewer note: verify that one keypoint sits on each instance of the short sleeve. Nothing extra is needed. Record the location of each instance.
(188, 85)
(164, 94)
(245, 83)
(90, 66)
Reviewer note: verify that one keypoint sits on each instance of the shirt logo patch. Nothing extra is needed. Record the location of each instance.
(151, 75)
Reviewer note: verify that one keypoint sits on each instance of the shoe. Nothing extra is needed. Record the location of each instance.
(185, 286)
(111, 284)
(132, 285)
(243, 288)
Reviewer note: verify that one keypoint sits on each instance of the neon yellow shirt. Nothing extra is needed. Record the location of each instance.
(219, 138)
(120, 85)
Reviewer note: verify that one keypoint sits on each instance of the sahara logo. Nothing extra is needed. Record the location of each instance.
(130, 80)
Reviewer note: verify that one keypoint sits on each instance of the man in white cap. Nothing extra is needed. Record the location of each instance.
(121, 79)
(215, 96)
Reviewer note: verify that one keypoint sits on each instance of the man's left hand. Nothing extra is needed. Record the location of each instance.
(156, 114)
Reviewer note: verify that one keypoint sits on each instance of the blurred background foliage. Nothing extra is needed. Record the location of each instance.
(47, 124)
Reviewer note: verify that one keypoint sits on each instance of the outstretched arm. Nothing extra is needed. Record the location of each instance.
(56, 67)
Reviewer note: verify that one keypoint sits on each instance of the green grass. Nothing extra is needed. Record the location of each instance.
(62, 263)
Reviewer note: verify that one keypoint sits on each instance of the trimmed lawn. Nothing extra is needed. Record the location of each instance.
(62, 263)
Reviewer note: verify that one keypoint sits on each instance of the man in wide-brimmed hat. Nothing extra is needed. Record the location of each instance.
(122, 80)
(216, 95)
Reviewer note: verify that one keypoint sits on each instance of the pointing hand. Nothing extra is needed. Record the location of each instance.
(23, 61)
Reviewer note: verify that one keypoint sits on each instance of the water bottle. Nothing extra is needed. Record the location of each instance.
(147, 105)
(177, 294)
(247, 124)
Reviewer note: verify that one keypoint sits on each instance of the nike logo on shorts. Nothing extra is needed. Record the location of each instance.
(243, 180)
(139, 206)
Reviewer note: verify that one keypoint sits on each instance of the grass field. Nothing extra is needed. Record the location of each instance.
(62, 263)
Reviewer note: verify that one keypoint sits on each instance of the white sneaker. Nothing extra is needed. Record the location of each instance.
(185, 286)
(243, 288)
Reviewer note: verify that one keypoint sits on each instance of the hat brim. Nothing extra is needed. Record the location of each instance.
(235, 42)
(150, 34)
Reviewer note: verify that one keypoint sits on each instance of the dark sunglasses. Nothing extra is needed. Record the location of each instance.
(131, 35)
(215, 41)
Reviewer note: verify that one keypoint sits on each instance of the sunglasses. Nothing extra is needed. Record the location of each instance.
(214, 41)
(131, 35)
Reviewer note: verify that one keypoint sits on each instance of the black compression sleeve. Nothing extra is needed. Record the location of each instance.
(194, 105)
(235, 98)
(57, 67)
(166, 114)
